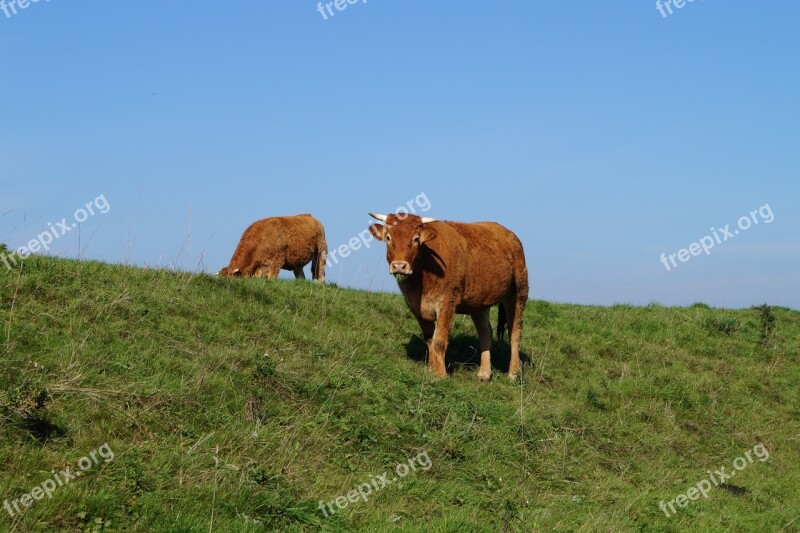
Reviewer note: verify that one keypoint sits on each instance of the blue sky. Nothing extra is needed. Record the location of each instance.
(602, 133)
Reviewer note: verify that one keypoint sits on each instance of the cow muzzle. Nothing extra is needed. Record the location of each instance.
(400, 267)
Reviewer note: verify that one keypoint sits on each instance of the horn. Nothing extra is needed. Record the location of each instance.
(426, 220)
(382, 218)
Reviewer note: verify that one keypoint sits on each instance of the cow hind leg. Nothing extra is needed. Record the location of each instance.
(481, 320)
(320, 259)
(318, 265)
(501, 321)
(514, 306)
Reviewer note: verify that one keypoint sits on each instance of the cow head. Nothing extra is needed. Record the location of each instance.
(404, 234)
(227, 272)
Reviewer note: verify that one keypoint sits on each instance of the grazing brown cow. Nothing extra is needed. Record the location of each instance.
(287, 243)
(444, 268)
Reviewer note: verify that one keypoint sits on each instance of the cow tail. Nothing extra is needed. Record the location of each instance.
(320, 258)
(501, 321)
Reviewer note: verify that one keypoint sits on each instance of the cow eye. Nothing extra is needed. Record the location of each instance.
(416, 239)
(388, 238)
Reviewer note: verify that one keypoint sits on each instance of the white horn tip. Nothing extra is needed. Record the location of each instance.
(427, 220)
(382, 218)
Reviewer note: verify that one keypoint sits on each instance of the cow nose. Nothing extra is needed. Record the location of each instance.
(400, 267)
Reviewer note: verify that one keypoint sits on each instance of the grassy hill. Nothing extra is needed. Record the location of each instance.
(239, 405)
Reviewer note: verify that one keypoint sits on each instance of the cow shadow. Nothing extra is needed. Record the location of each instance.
(42, 429)
(464, 353)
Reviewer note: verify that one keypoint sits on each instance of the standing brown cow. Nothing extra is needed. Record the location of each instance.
(444, 268)
(276, 243)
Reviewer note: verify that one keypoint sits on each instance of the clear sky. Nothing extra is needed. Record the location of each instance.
(603, 133)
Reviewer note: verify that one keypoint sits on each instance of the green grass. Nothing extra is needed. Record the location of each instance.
(237, 405)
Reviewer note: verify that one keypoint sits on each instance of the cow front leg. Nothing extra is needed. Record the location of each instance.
(299, 274)
(428, 329)
(255, 270)
(273, 270)
(438, 344)
(481, 321)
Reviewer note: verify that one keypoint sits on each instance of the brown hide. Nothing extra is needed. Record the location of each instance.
(280, 243)
(445, 268)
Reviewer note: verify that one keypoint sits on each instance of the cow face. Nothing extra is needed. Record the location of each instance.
(403, 234)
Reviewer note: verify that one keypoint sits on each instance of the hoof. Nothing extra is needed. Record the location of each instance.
(513, 377)
(485, 378)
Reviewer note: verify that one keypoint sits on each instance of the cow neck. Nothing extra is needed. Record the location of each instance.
(429, 263)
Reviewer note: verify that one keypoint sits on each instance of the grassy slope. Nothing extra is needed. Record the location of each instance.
(247, 402)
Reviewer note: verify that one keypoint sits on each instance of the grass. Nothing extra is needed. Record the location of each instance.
(238, 405)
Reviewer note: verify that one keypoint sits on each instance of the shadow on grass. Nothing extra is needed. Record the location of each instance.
(464, 353)
(42, 429)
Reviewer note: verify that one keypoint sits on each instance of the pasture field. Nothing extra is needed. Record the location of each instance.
(239, 405)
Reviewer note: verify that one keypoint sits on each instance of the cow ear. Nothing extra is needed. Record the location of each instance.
(427, 234)
(378, 231)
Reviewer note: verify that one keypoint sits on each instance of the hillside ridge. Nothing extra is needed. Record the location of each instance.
(245, 405)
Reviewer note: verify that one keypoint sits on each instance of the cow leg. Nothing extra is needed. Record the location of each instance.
(274, 271)
(438, 344)
(299, 274)
(514, 309)
(318, 266)
(520, 298)
(428, 329)
(481, 320)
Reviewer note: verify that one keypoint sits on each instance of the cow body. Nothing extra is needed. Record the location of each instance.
(280, 243)
(449, 268)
